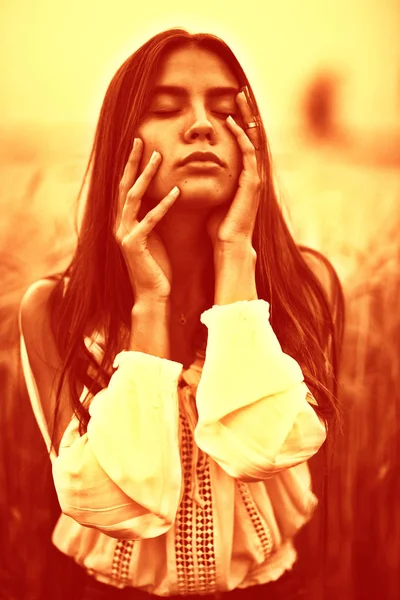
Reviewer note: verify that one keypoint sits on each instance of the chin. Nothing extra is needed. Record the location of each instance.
(201, 192)
(202, 200)
(205, 193)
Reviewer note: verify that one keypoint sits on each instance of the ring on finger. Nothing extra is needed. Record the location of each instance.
(251, 125)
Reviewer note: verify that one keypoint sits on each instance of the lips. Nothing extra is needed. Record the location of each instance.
(202, 156)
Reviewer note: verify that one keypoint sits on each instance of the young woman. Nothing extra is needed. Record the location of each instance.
(182, 369)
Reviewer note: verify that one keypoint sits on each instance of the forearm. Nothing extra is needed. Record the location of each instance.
(255, 413)
(124, 475)
(235, 274)
(150, 329)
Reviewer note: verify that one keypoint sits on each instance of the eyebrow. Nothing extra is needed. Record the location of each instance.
(214, 92)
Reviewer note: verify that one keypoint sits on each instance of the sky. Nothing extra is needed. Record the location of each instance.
(57, 58)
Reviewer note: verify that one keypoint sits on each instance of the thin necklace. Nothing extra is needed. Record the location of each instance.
(180, 316)
(182, 319)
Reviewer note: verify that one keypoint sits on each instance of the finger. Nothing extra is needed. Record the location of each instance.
(247, 148)
(128, 177)
(135, 194)
(248, 117)
(245, 205)
(155, 215)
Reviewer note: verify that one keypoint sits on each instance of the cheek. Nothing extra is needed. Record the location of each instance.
(146, 155)
(236, 163)
(150, 143)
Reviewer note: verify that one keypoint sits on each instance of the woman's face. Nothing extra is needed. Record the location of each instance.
(194, 94)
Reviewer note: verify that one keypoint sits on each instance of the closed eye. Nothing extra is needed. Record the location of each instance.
(171, 113)
(165, 113)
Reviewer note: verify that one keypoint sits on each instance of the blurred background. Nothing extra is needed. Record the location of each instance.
(327, 78)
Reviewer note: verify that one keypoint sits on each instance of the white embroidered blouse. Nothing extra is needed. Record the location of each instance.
(190, 481)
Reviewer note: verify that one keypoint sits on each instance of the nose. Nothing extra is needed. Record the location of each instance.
(200, 127)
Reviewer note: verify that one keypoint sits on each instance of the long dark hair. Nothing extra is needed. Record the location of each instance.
(99, 295)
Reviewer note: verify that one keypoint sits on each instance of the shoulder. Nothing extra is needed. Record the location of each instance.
(323, 270)
(35, 302)
(37, 295)
(328, 279)
(35, 315)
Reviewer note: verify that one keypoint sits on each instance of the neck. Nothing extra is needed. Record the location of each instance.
(191, 256)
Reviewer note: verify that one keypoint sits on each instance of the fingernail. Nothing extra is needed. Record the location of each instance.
(230, 120)
(154, 156)
(175, 191)
(135, 142)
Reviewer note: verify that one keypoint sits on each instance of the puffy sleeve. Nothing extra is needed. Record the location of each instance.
(123, 476)
(255, 413)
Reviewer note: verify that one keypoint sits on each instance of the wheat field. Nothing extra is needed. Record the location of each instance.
(343, 201)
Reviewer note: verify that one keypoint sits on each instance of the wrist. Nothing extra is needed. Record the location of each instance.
(150, 305)
(234, 250)
(150, 328)
(235, 275)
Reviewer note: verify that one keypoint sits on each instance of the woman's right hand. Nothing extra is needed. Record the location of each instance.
(145, 255)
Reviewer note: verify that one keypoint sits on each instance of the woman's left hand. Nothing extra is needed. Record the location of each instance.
(232, 226)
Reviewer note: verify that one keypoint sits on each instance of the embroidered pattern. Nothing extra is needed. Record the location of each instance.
(194, 532)
(205, 555)
(262, 530)
(121, 560)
